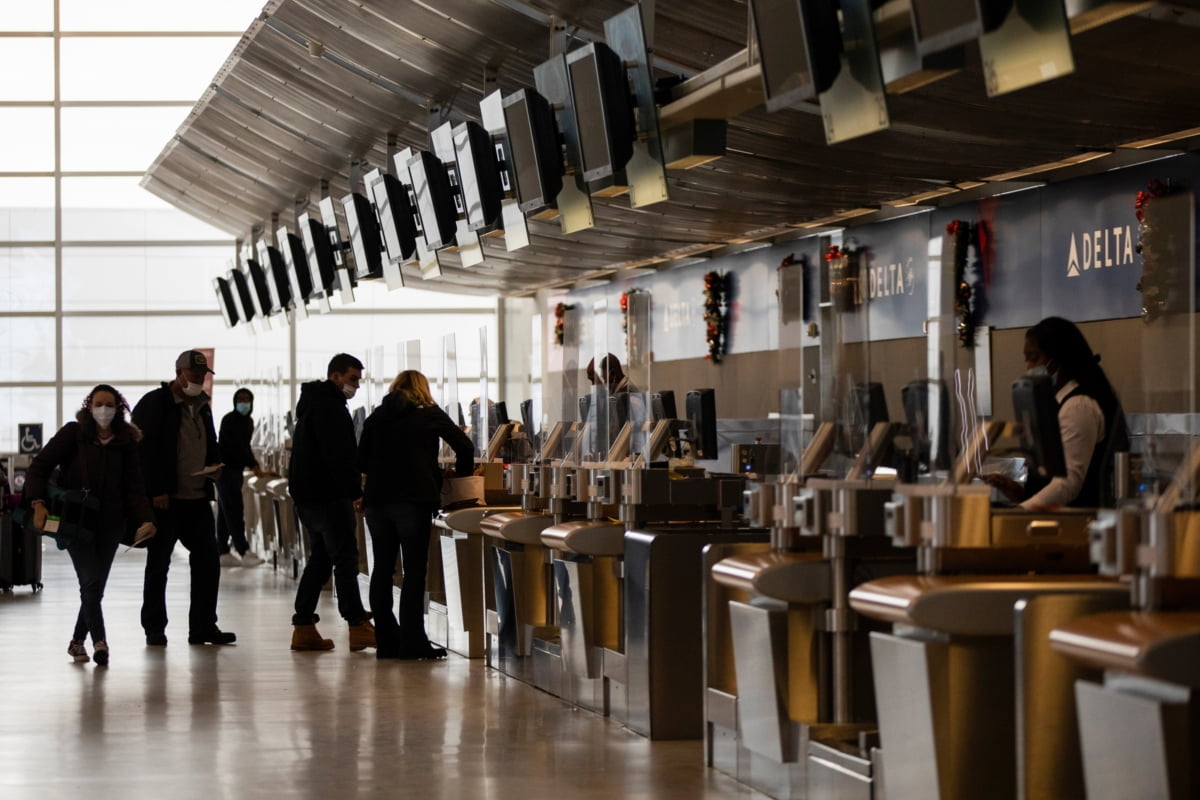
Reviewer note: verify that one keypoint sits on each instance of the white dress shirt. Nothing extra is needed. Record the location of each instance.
(1081, 423)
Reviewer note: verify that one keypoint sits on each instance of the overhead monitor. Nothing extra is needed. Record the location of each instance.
(338, 244)
(242, 294)
(225, 301)
(435, 199)
(318, 255)
(299, 278)
(272, 261)
(365, 238)
(603, 109)
(260, 282)
(395, 215)
(478, 175)
(783, 56)
(536, 155)
(942, 24)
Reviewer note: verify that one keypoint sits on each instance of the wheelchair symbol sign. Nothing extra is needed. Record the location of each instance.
(29, 437)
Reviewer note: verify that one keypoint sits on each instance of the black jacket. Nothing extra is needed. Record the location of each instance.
(236, 430)
(399, 451)
(159, 417)
(113, 471)
(322, 467)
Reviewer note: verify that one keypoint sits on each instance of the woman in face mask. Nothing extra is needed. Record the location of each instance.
(97, 453)
(1090, 419)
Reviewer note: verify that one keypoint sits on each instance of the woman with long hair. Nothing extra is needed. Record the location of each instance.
(398, 453)
(96, 453)
(1090, 417)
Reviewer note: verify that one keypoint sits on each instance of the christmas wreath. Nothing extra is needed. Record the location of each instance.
(716, 313)
(560, 313)
(1160, 283)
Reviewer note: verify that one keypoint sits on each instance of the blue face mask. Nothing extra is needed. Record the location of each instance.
(243, 409)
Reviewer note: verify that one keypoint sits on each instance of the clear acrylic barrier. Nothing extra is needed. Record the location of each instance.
(598, 418)
(793, 329)
(563, 390)
(449, 379)
(481, 405)
(639, 389)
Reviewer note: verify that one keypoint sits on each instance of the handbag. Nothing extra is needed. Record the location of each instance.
(462, 492)
(76, 512)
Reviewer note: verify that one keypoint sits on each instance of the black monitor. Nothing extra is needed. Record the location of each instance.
(1035, 409)
(435, 199)
(823, 41)
(299, 278)
(318, 255)
(394, 211)
(478, 175)
(268, 303)
(783, 56)
(915, 398)
(225, 301)
(242, 294)
(535, 152)
(498, 415)
(366, 239)
(603, 109)
(662, 406)
(585, 407)
(872, 403)
(272, 261)
(939, 25)
(701, 407)
(333, 234)
(527, 415)
(618, 412)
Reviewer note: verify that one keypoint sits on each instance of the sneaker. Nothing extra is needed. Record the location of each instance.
(101, 654)
(252, 559)
(230, 560)
(156, 640)
(78, 651)
(213, 636)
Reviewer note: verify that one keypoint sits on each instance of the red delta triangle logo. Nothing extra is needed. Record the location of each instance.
(1099, 249)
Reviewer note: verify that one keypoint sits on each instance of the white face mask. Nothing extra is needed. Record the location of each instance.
(1040, 371)
(104, 415)
(349, 391)
(192, 389)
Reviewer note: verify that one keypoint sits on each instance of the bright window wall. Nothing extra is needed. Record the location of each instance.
(100, 281)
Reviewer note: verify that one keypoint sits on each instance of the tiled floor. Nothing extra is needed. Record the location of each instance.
(256, 720)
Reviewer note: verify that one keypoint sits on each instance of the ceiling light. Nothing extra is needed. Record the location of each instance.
(1164, 139)
(1053, 165)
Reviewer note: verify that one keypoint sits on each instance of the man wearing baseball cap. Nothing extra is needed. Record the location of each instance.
(180, 460)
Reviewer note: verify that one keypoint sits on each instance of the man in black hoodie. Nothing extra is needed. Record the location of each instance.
(180, 459)
(326, 486)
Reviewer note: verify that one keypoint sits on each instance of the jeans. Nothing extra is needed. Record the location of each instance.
(189, 522)
(92, 563)
(330, 528)
(231, 513)
(400, 529)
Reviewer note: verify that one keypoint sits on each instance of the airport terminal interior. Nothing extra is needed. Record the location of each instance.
(829, 369)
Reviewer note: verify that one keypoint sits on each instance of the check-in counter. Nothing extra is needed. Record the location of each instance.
(972, 702)
(520, 606)
(256, 495)
(459, 625)
(293, 551)
(588, 562)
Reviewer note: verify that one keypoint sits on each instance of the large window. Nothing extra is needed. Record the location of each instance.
(100, 281)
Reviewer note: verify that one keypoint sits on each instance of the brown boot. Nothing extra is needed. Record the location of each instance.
(305, 637)
(362, 636)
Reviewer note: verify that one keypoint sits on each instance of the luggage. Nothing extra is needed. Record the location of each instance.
(20, 555)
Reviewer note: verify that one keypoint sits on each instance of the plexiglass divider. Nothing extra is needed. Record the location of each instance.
(599, 416)
(482, 406)
(639, 390)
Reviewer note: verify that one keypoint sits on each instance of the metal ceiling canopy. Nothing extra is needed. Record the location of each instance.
(315, 85)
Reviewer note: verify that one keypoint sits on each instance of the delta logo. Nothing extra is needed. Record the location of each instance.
(1100, 249)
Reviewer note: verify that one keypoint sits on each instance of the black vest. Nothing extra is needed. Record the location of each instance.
(1097, 488)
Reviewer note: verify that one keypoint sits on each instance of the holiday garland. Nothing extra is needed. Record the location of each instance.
(967, 239)
(560, 313)
(716, 313)
(1159, 284)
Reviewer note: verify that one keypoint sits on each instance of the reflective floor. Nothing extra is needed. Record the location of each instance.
(256, 720)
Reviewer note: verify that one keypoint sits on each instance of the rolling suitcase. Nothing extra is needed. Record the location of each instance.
(20, 555)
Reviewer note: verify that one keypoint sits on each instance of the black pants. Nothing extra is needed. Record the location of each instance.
(399, 528)
(231, 512)
(189, 522)
(92, 562)
(330, 528)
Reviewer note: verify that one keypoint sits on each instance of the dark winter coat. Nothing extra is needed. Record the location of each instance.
(399, 452)
(159, 417)
(322, 467)
(236, 431)
(113, 471)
